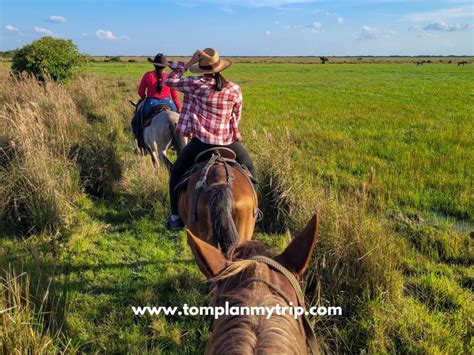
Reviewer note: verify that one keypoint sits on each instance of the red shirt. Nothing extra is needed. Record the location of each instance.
(147, 88)
(209, 115)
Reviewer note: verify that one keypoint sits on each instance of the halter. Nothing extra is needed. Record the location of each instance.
(311, 341)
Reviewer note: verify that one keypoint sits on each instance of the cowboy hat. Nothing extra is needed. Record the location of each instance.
(210, 63)
(159, 60)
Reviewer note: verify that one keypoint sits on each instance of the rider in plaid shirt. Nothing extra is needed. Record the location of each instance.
(210, 115)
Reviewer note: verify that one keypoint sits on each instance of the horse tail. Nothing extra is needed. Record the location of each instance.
(220, 201)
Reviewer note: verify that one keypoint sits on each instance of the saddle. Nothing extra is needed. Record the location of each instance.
(223, 152)
(204, 161)
(156, 110)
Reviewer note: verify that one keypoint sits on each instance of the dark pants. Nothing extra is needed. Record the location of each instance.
(186, 160)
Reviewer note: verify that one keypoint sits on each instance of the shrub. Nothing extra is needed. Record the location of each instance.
(115, 59)
(324, 60)
(48, 56)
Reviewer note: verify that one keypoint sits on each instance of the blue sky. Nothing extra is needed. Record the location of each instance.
(245, 27)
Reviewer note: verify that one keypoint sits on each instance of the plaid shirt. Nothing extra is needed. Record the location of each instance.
(211, 116)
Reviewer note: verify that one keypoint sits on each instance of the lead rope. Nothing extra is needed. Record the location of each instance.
(308, 329)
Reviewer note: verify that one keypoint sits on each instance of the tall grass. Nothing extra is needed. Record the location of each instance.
(50, 153)
(356, 256)
(57, 144)
(24, 323)
(39, 182)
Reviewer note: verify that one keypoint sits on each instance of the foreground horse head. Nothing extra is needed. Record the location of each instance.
(218, 202)
(250, 276)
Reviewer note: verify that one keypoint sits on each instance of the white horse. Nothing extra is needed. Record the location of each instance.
(160, 135)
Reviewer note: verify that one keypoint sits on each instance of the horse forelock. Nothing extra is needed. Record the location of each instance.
(255, 334)
(251, 334)
(238, 256)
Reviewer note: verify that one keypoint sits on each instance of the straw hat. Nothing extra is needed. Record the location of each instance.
(211, 63)
(159, 60)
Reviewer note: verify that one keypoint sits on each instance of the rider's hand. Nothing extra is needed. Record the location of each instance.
(194, 59)
(202, 54)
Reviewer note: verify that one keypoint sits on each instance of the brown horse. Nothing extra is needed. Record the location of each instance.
(219, 203)
(246, 279)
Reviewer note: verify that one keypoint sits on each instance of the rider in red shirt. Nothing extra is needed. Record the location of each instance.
(153, 89)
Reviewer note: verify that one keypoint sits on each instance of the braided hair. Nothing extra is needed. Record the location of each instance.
(159, 75)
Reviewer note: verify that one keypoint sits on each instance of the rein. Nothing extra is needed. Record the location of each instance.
(311, 341)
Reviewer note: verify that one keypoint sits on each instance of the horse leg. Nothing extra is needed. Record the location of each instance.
(154, 156)
(154, 159)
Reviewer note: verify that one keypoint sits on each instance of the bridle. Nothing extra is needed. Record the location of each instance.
(311, 341)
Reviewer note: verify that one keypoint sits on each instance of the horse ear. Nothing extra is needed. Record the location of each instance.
(208, 258)
(298, 253)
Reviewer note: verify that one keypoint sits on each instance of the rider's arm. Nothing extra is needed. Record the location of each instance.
(142, 87)
(186, 85)
(173, 80)
(237, 109)
(174, 96)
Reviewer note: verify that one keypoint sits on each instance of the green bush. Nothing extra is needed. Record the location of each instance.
(115, 59)
(48, 56)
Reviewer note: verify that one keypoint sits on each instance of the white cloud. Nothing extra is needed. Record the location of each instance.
(443, 26)
(418, 30)
(267, 33)
(438, 15)
(315, 25)
(340, 20)
(422, 31)
(371, 33)
(44, 31)
(56, 19)
(102, 34)
(10, 28)
(108, 35)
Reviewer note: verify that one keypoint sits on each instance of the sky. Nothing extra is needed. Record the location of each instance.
(245, 27)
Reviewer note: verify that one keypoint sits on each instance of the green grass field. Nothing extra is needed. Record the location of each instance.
(412, 124)
(383, 151)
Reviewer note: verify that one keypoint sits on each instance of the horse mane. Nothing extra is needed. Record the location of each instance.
(252, 334)
(220, 202)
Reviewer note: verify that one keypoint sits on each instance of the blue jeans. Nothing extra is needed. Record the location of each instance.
(149, 104)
